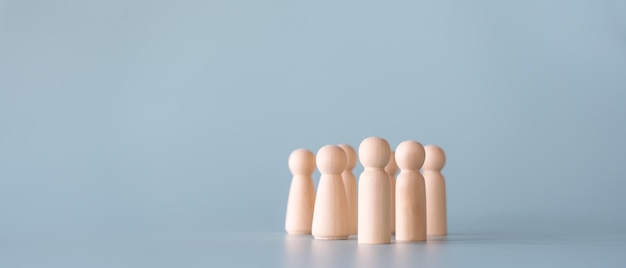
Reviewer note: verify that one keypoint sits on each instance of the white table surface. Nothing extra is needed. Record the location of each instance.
(555, 247)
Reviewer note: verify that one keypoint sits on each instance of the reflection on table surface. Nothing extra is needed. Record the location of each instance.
(532, 248)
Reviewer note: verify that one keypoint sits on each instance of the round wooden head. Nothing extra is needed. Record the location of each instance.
(392, 167)
(350, 156)
(374, 152)
(331, 159)
(410, 155)
(302, 162)
(435, 157)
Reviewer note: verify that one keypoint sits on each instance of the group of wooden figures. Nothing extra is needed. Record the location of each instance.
(411, 206)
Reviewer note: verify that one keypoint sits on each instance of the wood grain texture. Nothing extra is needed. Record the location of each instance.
(410, 193)
(392, 169)
(435, 190)
(373, 196)
(330, 216)
(301, 200)
(349, 183)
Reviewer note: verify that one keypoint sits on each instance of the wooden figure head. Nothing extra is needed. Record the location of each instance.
(435, 158)
(331, 159)
(374, 152)
(350, 156)
(410, 155)
(302, 162)
(392, 167)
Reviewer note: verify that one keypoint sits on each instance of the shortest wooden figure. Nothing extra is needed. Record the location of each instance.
(410, 193)
(299, 217)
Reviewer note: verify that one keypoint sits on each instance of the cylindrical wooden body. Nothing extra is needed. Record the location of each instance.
(435, 203)
(392, 204)
(373, 208)
(349, 182)
(300, 204)
(410, 206)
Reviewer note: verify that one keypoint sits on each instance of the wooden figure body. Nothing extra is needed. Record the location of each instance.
(410, 193)
(392, 169)
(373, 195)
(299, 216)
(349, 182)
(435, 190)
(330, 216)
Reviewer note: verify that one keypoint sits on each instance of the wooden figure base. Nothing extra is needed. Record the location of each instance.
(342, 237)
(374, 243)
(411, 241)
(299, 232)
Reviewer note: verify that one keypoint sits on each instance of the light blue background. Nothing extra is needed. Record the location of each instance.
(152, 117)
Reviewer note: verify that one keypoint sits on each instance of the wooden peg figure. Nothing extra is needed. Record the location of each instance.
(435, 190)
(299, 216)
(410, 193)
(349, 182)
(392, 169)
(373, 195)
(330, 215)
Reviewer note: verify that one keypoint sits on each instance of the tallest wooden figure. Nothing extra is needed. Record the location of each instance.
(374, 193)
